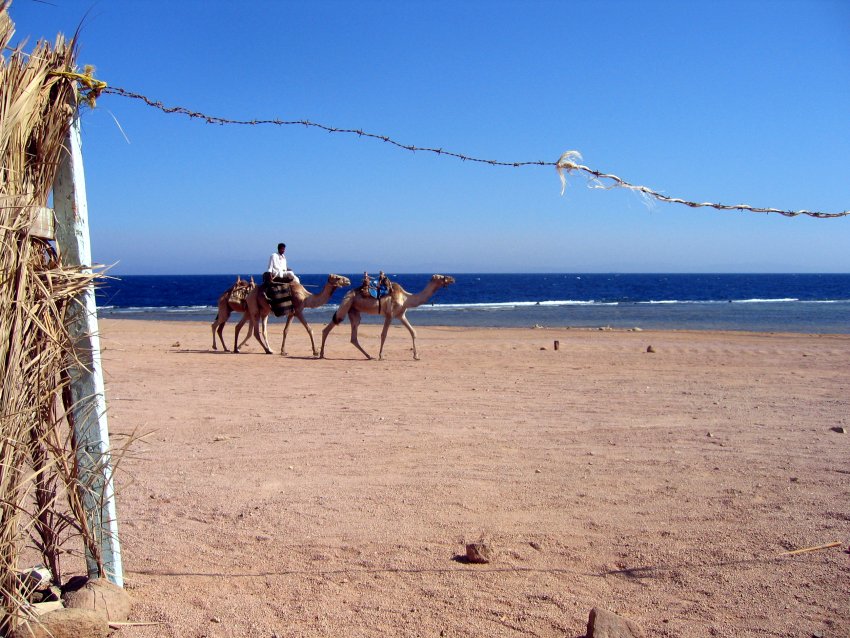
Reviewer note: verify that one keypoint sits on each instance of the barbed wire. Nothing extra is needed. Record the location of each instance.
(565, 164)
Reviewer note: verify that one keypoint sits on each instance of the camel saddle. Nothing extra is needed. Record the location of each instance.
(279, 297)
(238, 294)
(377, 290)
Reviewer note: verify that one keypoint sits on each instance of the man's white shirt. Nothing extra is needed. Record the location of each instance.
(277, 265)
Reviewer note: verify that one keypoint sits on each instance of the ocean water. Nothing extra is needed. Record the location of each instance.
(810, 303)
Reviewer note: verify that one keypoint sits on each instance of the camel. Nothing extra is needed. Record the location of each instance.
(231, 300)
(258, 311)
(393, 306)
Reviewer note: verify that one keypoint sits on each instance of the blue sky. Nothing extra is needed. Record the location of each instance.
(724, 101)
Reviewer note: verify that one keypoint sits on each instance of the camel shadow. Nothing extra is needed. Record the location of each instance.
(243, 352)
(193, 351)
(212, 352)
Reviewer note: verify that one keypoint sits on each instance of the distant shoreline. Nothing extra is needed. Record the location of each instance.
(795, 317)
(370, 329)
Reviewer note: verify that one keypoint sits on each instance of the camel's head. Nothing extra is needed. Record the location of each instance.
(442, 280)
(338, 281)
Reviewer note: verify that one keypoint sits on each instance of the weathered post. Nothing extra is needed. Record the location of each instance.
(87, 389)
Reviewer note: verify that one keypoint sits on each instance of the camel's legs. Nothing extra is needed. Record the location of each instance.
(325, 332)
(337, 319)
(309, 332)
(285, 332)
(220, 332)
(236, 344)
(214, 325)
(388, 319)
(247, 336)
(354, 318)
(218, 326)
(260, 326)
(406, 322)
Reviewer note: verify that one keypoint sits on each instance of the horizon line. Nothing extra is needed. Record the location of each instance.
(477, 272)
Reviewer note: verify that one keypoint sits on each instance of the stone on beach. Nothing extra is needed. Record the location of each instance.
(479, 552)
(64, 623)
(101, 596)
(606, 624)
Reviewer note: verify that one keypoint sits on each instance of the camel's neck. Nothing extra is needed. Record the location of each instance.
(321, 298)
(422, 297)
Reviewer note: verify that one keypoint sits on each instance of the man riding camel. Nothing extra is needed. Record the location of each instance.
(277, 270)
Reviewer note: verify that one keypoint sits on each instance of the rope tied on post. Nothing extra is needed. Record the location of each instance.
(86, 78)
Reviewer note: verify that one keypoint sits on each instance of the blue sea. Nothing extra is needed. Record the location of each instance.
(809, 303)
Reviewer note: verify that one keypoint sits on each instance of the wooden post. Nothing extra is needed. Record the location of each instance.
(87, 390)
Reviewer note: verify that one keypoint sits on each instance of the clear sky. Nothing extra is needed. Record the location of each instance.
(742, 101)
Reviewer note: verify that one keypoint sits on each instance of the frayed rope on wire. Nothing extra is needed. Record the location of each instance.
(566, 163)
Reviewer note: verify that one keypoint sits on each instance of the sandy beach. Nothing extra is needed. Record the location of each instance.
(289, 496)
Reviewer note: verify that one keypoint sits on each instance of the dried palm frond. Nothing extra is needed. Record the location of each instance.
(40, 489)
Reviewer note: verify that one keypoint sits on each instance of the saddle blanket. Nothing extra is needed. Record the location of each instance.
(279, 298)
(378, 293)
